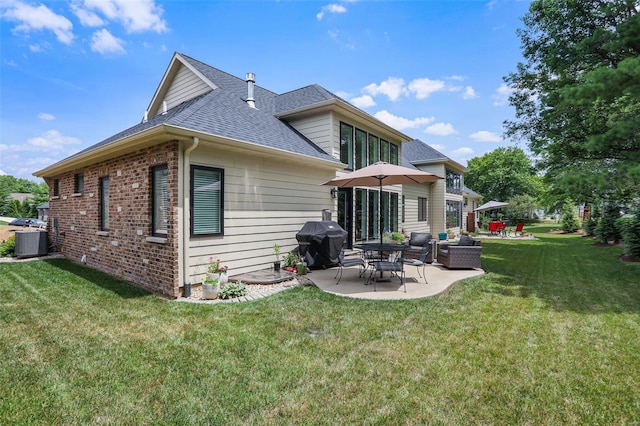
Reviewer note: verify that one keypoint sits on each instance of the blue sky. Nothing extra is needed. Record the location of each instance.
(74, 73)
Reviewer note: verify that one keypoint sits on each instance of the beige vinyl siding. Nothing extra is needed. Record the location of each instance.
(266, 200)
(185, 86)
(316, 128)
(437, 204)
(411, 194)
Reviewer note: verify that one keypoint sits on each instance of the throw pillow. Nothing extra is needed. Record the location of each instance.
(418, 239)
(466, 240)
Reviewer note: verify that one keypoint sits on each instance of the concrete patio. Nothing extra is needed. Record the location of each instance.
(351, 285)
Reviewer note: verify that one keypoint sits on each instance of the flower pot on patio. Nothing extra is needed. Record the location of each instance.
(442, 236)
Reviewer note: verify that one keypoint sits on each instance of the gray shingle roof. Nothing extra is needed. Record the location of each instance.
(471, 192)
(416, 151)
(224, 112)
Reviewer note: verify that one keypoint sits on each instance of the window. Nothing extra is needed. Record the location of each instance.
(422, 209)
(453, 214)
(393, 154)
(373, 218)
(374, 149)
(361, 215)
(159, 200)
(384, 150)
(78, 183)
(346, 144)
(56, 188)
(394, 212)
(386, 226)
(403, 207)
(104, 203)
(207, 201)
(361, 149)
(454, 182)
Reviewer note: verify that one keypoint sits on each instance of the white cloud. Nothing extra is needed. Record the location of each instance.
(437, 147)
(392, 87)
(103, 41)
(485, 136)
(364, 101)
(51, 140)
(463, 151)
(330, 8)
(135, 16)
(457, 78)
(441, 129)
(39, 18)
(469, 93)
(401, 123)
(2, 173)
(501, 95)
(424, 87)
(86, 17)
(46, 116)
(338, 37)
(36, 48)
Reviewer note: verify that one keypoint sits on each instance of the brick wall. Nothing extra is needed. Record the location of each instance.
(126, 250)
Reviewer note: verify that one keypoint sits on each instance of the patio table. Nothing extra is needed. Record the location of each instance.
(382, 249)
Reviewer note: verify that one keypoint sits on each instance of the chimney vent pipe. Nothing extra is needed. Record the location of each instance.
(251, 80)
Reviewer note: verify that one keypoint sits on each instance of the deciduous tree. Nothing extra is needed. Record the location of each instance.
(503, 173)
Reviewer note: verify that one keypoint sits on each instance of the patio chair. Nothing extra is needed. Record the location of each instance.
(345, 262)
(395, 267)
(519, 228)
(417, 242)
(420, 261)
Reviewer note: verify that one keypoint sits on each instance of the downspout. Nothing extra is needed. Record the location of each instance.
(186, 210)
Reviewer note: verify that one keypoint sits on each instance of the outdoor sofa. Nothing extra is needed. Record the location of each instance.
(464, 255)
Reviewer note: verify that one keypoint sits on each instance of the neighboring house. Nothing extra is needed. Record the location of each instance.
(43, 212)
(440, 206)
(222, 167)
(472, 200)
(20, 196)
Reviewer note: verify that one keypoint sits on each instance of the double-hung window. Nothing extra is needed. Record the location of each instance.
(207, 201)
(160, 200)
(78, 183)
(422, 209)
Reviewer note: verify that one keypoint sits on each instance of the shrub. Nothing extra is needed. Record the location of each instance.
(569, 221)
(589, 226)
(7, 249)
(607, 228)
(631, 237)
(233, 289)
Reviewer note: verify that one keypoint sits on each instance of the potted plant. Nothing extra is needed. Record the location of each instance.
(210, 288)
(217, 271)
(450, 234)
(276, 264)
(289, 261)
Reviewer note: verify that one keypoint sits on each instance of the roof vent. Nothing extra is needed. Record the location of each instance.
(164, 107)
(251, 80)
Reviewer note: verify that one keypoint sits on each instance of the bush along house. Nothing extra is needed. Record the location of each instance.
(222, 167)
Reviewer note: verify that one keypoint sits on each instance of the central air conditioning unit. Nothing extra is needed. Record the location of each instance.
(31, 243)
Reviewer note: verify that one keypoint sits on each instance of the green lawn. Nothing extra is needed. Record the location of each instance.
(551, 335)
